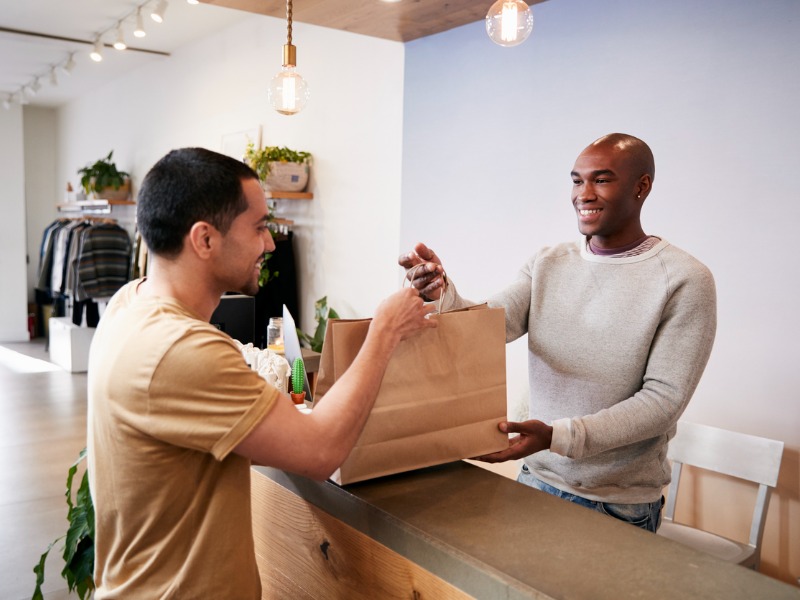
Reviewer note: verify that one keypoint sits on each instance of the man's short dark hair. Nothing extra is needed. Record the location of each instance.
(186, 186)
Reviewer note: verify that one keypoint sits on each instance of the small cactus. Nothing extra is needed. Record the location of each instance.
(298, 372)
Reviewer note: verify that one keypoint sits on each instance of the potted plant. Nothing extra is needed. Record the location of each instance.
(78, 541)
(298, 377)
(321, 314)
(279, 168)
(103, 180)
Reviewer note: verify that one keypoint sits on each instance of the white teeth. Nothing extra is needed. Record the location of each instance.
(585, 212)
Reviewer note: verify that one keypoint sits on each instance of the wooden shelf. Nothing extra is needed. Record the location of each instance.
(278, 195)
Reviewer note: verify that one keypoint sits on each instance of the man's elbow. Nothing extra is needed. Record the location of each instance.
(325, 464)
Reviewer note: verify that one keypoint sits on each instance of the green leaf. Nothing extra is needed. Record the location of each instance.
(39, 570)
(321, 313)
(79, 540)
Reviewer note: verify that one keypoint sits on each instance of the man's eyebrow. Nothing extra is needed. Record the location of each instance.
(595, 173)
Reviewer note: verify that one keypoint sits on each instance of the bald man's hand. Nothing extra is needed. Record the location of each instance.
(428, 276)
(534, 436)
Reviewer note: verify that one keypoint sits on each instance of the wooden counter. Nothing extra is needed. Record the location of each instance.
(459, 531)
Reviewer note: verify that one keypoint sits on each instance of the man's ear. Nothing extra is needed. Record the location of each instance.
(643, 186)
(202, 239)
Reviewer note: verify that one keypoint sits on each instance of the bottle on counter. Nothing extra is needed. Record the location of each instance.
(275, 335)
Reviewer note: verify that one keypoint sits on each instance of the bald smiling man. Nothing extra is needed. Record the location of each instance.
(620, 325)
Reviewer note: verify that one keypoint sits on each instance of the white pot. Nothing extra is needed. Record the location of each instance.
(287, 176)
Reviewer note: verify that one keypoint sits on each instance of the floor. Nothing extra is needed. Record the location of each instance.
(41, 433)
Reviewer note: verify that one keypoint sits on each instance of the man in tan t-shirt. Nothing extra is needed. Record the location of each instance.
(175, 414)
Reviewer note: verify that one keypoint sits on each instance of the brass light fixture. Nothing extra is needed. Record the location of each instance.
(288, 91)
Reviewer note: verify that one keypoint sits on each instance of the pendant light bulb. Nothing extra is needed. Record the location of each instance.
(509, 22)
(288, 91)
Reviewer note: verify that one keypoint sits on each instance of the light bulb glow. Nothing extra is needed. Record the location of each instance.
(288, 95)
(288, 92)
(158, 14)
(97, 52)
(509, 22)
(139, 31)
(120, 44)
(508, 25)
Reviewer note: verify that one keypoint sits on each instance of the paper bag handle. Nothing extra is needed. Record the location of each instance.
(410, 278)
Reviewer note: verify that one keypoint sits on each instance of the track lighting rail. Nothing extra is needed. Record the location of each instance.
(60, 38)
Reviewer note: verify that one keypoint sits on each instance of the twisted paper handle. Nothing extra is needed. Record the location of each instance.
(411, 276)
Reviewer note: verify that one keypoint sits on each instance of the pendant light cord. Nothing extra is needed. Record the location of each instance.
(289, 21)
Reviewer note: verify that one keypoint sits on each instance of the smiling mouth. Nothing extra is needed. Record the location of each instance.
(585, 212)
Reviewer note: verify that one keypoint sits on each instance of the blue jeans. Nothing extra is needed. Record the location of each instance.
(646, 515)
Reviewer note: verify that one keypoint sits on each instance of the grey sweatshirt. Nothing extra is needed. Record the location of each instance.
(616, 348)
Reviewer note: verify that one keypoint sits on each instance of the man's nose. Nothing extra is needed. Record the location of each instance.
(586, 192)
(269, 243)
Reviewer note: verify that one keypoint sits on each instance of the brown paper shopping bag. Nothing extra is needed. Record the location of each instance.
(442, 396)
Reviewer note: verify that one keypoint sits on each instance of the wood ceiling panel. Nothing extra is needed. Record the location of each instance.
(401, 21)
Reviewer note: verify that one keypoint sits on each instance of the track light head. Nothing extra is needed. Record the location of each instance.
(97, 52)
(120, 44)
(69, 65)
(7, 102)
(53, 77)
(158, 13)
(139, 32)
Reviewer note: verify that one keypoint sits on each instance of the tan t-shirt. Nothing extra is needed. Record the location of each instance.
(169, 397)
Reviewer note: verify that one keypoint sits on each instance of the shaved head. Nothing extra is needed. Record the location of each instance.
(638, 154)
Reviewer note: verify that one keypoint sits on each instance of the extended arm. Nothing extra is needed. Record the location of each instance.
(315, 445)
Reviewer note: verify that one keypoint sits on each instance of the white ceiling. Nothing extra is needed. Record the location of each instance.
(23, 57)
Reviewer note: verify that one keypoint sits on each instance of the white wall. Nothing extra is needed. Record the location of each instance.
(491, 135)
(14, 310)
(352, 125)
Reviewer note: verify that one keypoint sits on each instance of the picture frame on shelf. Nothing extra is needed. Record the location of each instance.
(235, 144)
